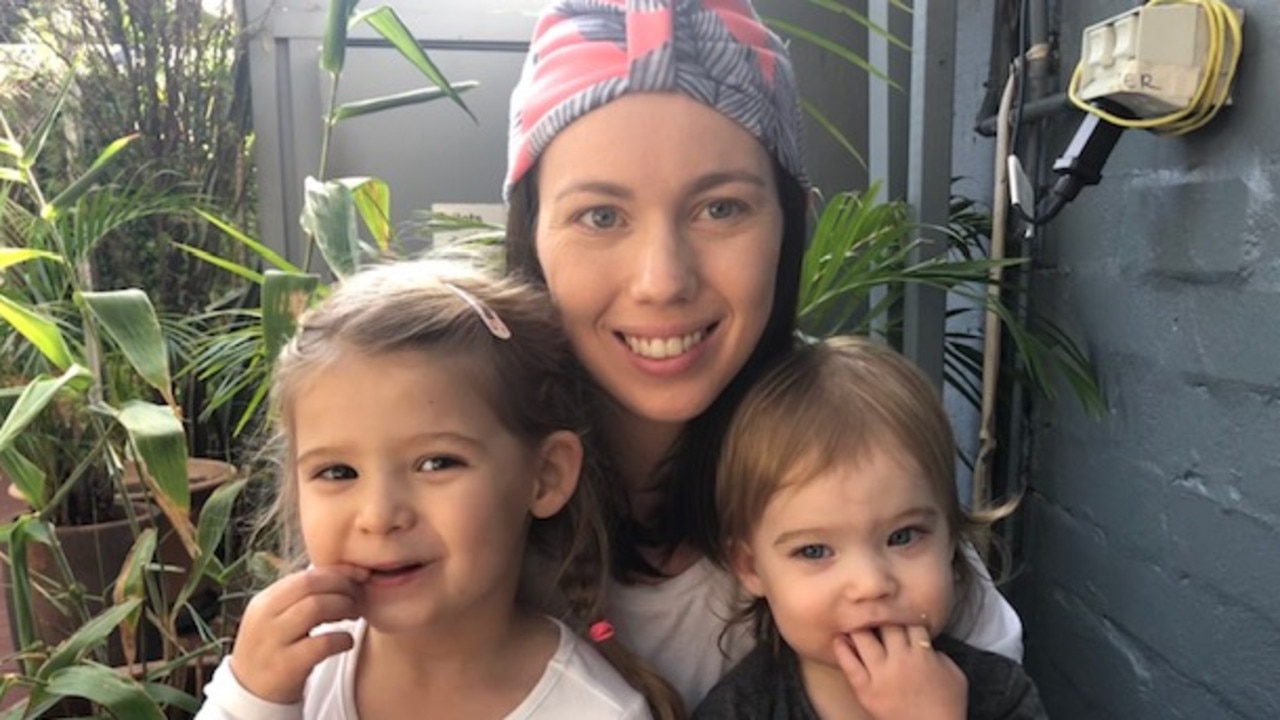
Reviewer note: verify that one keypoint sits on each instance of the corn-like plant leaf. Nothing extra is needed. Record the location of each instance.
(10, 256)
(329, 217)
(39, 330)
(333, 49)
(373, 201)
(34, 398)
(832, 47)
(833, 130)
(68, 197)
(284, 298)
(129, 319)
(11, 147)
(131, 584)
(388, 24)
(262, 251)
(123, 697)
(160, 441)
(359, 108)
(8, 174)
(215, 516)
(232, 267)
(16, 537)
(33, 150)
(86, 638)
(26, 476)
(839, 8)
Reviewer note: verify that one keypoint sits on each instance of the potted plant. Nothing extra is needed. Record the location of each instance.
(86, 392)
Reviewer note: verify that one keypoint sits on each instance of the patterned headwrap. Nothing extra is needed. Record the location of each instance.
(588, 53)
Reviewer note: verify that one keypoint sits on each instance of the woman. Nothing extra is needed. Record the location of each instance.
(656, 185)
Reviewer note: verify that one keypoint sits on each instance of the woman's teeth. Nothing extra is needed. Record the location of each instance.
(663, 348)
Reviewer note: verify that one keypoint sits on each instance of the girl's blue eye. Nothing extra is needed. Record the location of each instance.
(902, 536)
(813, 552)
(437, 463)
(337, 472)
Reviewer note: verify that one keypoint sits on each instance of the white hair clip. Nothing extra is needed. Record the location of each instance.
(490, 318)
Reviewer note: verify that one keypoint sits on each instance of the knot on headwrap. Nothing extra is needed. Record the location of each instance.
(587, 53)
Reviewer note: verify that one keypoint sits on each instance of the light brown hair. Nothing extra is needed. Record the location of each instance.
(531, 381)
(833, 403)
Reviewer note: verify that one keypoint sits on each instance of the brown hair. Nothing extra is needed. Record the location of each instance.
(687, 474)
(531, 381)
(831, 403)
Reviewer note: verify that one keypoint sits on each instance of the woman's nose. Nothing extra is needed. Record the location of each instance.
(666, 267)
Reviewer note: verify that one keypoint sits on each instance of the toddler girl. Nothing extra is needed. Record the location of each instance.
(838, 504)
(431, 422)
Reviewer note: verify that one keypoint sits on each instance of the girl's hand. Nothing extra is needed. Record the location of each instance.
(899, 676)
(274, 651)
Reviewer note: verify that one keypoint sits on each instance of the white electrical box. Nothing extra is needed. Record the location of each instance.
(1149, 59)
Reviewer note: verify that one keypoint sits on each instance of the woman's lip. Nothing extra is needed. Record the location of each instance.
(391, 575)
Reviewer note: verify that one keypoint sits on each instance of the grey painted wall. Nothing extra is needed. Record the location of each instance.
(1151, 578)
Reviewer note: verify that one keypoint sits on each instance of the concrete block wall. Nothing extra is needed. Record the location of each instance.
(1150, 585)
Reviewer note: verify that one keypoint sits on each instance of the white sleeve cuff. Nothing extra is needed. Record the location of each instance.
(227, 699)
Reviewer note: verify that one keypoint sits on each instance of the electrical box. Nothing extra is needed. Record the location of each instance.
(1149, 59)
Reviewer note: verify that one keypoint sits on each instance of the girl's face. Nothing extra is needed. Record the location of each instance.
(861, 546)
(402, 468)
(659, 232)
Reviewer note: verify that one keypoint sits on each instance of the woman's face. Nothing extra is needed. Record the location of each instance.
(659, 232)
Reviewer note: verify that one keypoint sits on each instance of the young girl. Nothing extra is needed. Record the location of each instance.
(431, 426)
(838, 504)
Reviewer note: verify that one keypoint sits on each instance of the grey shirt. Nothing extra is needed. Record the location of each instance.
(766, 685)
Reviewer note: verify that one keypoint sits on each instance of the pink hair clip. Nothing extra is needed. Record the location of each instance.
(490, 318)
(600, 631)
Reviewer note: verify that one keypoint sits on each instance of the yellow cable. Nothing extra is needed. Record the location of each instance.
(1214, 86)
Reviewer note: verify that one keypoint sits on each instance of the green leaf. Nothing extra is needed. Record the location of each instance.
(215, 516)
(129, 319)
(258, 248)
(388, 24)
(34, 398)
(839, 8)
(10, 256)
(89, 636)
(832, 47)
(41, 134)
(333, 49)
(38, 330)
(373, 200)
(16, 537)
(11, 147)
(82, 184)
(329, 217)
(26, 476)
(231, 267)
(360, 108)
(131, 585)
(284, 298)
(12, 175)
(833, 130)
(161, 443)
(123, 697)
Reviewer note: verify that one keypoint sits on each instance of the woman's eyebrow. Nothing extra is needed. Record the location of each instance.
(598, 187)
(725, 177)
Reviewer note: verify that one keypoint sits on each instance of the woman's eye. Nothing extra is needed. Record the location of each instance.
(438, 463)
(903, 536)
(600, 218)
(813, 552)
(337, 472)
(722, 209)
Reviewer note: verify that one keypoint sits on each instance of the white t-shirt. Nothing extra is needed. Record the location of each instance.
(676, 625)
(578, 684)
